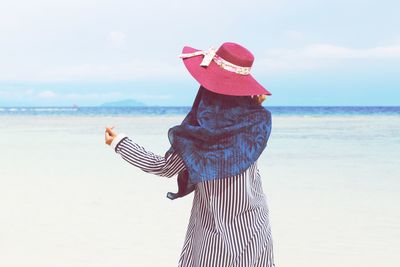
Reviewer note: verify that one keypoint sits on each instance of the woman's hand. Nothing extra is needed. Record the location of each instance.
(110, 135)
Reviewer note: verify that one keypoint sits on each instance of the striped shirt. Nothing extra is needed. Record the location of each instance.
(229, 222)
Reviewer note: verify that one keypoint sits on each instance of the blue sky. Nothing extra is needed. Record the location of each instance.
(60, 53)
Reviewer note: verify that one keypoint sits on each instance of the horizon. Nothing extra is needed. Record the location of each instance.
(162, 106)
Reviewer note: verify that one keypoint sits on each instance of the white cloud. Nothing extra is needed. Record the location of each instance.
(47, 94)
(96, 71)
(92, 96)
(110, 72)
(326, 51)
(322, 55)
(311, 56)
(117, 39)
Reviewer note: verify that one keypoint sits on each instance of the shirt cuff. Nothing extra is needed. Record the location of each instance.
(116, 140)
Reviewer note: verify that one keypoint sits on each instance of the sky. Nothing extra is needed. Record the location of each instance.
(87, 52)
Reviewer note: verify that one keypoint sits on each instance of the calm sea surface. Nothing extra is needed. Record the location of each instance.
(331, 176)
(157, 111)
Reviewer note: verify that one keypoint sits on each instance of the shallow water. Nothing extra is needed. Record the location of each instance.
(67, 199)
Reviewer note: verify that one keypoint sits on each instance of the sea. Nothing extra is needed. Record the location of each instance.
(176, 110)
(331, 176)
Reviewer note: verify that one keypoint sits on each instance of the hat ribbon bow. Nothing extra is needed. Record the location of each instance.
(210, 55)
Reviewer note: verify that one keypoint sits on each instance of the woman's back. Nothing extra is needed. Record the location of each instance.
(229, 222)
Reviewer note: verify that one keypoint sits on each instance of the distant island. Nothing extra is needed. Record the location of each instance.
(123, 103)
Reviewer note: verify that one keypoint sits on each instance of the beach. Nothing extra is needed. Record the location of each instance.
(67, 199)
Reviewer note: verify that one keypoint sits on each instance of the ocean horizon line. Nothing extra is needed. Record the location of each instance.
(182, 110)
(162, 106)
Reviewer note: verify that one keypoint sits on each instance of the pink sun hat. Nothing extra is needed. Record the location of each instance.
(223, 71)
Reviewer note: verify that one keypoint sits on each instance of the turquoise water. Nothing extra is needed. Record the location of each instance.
(331, 177)
(121, 111)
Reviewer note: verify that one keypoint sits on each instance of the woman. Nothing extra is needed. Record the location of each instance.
(214, 152)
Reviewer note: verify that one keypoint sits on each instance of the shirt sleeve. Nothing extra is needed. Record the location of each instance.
(147, 161)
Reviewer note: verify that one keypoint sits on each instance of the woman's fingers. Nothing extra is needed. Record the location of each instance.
(110, 131)
(109, 135)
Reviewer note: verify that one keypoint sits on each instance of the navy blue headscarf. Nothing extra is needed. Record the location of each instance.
(221, 136)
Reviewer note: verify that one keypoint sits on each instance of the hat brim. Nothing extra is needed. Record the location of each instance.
(218, 80)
